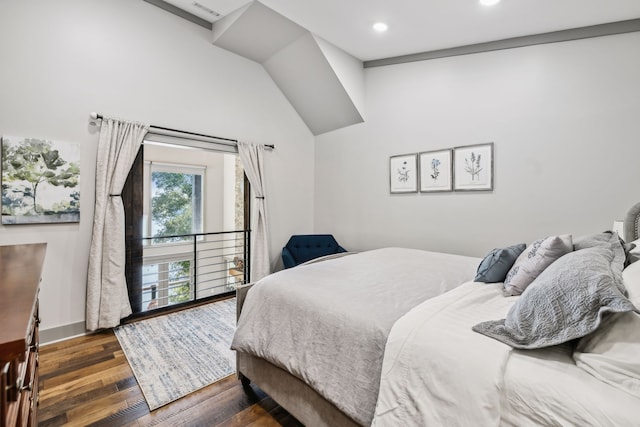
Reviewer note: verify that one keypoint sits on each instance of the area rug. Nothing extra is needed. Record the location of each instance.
(176, 354)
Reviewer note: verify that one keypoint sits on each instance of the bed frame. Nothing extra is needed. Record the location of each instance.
(290, 392)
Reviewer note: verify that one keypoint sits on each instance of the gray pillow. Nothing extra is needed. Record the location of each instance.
(592, 240)
(599, 239)
(566, 301)
(495, 266)
(534, 260)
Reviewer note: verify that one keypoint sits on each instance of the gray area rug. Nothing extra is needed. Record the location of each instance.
(176, 354)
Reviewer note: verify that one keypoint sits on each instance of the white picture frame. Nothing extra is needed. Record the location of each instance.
(473, 167)
(436, 171)
(403, 173)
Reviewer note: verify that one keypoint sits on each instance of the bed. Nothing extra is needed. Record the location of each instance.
(412, 353)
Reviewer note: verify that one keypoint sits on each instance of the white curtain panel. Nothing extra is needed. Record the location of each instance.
(107, 296)
(253, 163)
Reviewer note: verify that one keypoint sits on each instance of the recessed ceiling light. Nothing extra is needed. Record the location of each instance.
(380, 27)
(489, 2)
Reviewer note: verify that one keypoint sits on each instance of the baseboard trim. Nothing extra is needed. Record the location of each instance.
(72, 330)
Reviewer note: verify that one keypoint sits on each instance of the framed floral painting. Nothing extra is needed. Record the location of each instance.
(473, 167)
(403, 173)
(436, 173)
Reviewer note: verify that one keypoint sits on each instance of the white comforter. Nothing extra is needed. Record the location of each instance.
(327, 323)
(438, 372)
(545, 388)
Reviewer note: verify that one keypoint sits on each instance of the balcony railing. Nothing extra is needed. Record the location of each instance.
(183, 269)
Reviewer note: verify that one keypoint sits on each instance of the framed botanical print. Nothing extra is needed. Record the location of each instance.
(436, 172)
(473, 167)
(403, 173)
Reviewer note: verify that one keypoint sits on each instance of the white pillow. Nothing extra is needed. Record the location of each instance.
(631, 280)
(612, 353)
(534, 260)
(634, 254)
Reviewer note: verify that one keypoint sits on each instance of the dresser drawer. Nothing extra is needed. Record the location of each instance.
(29, 389)
(20, 272)
(4, 396)
(19, 387)
(9, 394)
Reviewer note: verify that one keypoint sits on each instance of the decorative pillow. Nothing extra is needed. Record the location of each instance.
(599, 239)
(631, 280)
(495, 266)
(634, 253)
(592, 240)
(567, 301)
(538, 256)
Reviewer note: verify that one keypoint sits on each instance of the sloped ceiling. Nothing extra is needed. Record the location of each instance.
(427, 25)
(323, 83)
(342, 36)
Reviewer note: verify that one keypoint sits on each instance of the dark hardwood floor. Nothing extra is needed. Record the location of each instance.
(87, 381)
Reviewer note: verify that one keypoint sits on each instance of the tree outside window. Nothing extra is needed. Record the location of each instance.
(176, 205)
(176, 210)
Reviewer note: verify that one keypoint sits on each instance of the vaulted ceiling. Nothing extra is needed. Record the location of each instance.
(426, 25)
(315, 50)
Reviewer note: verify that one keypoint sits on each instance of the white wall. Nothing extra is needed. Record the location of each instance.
(565, 120)
(64, 59)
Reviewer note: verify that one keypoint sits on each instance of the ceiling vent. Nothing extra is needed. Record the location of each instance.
(206, 9)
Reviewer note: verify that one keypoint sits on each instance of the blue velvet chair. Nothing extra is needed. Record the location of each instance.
(303, 248)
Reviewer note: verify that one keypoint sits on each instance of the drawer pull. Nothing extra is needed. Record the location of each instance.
(20, 385)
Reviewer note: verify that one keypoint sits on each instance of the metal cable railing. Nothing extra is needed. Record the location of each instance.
(186, 268)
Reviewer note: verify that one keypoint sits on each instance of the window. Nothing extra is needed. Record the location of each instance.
(174, 201)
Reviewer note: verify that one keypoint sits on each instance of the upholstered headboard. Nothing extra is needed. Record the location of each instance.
(632, 224)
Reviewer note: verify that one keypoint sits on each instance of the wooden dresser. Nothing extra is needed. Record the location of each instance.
(20, 270)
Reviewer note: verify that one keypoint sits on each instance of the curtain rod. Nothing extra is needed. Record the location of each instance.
(97, 116)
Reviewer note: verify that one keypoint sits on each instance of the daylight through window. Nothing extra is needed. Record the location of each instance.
(194, 243)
